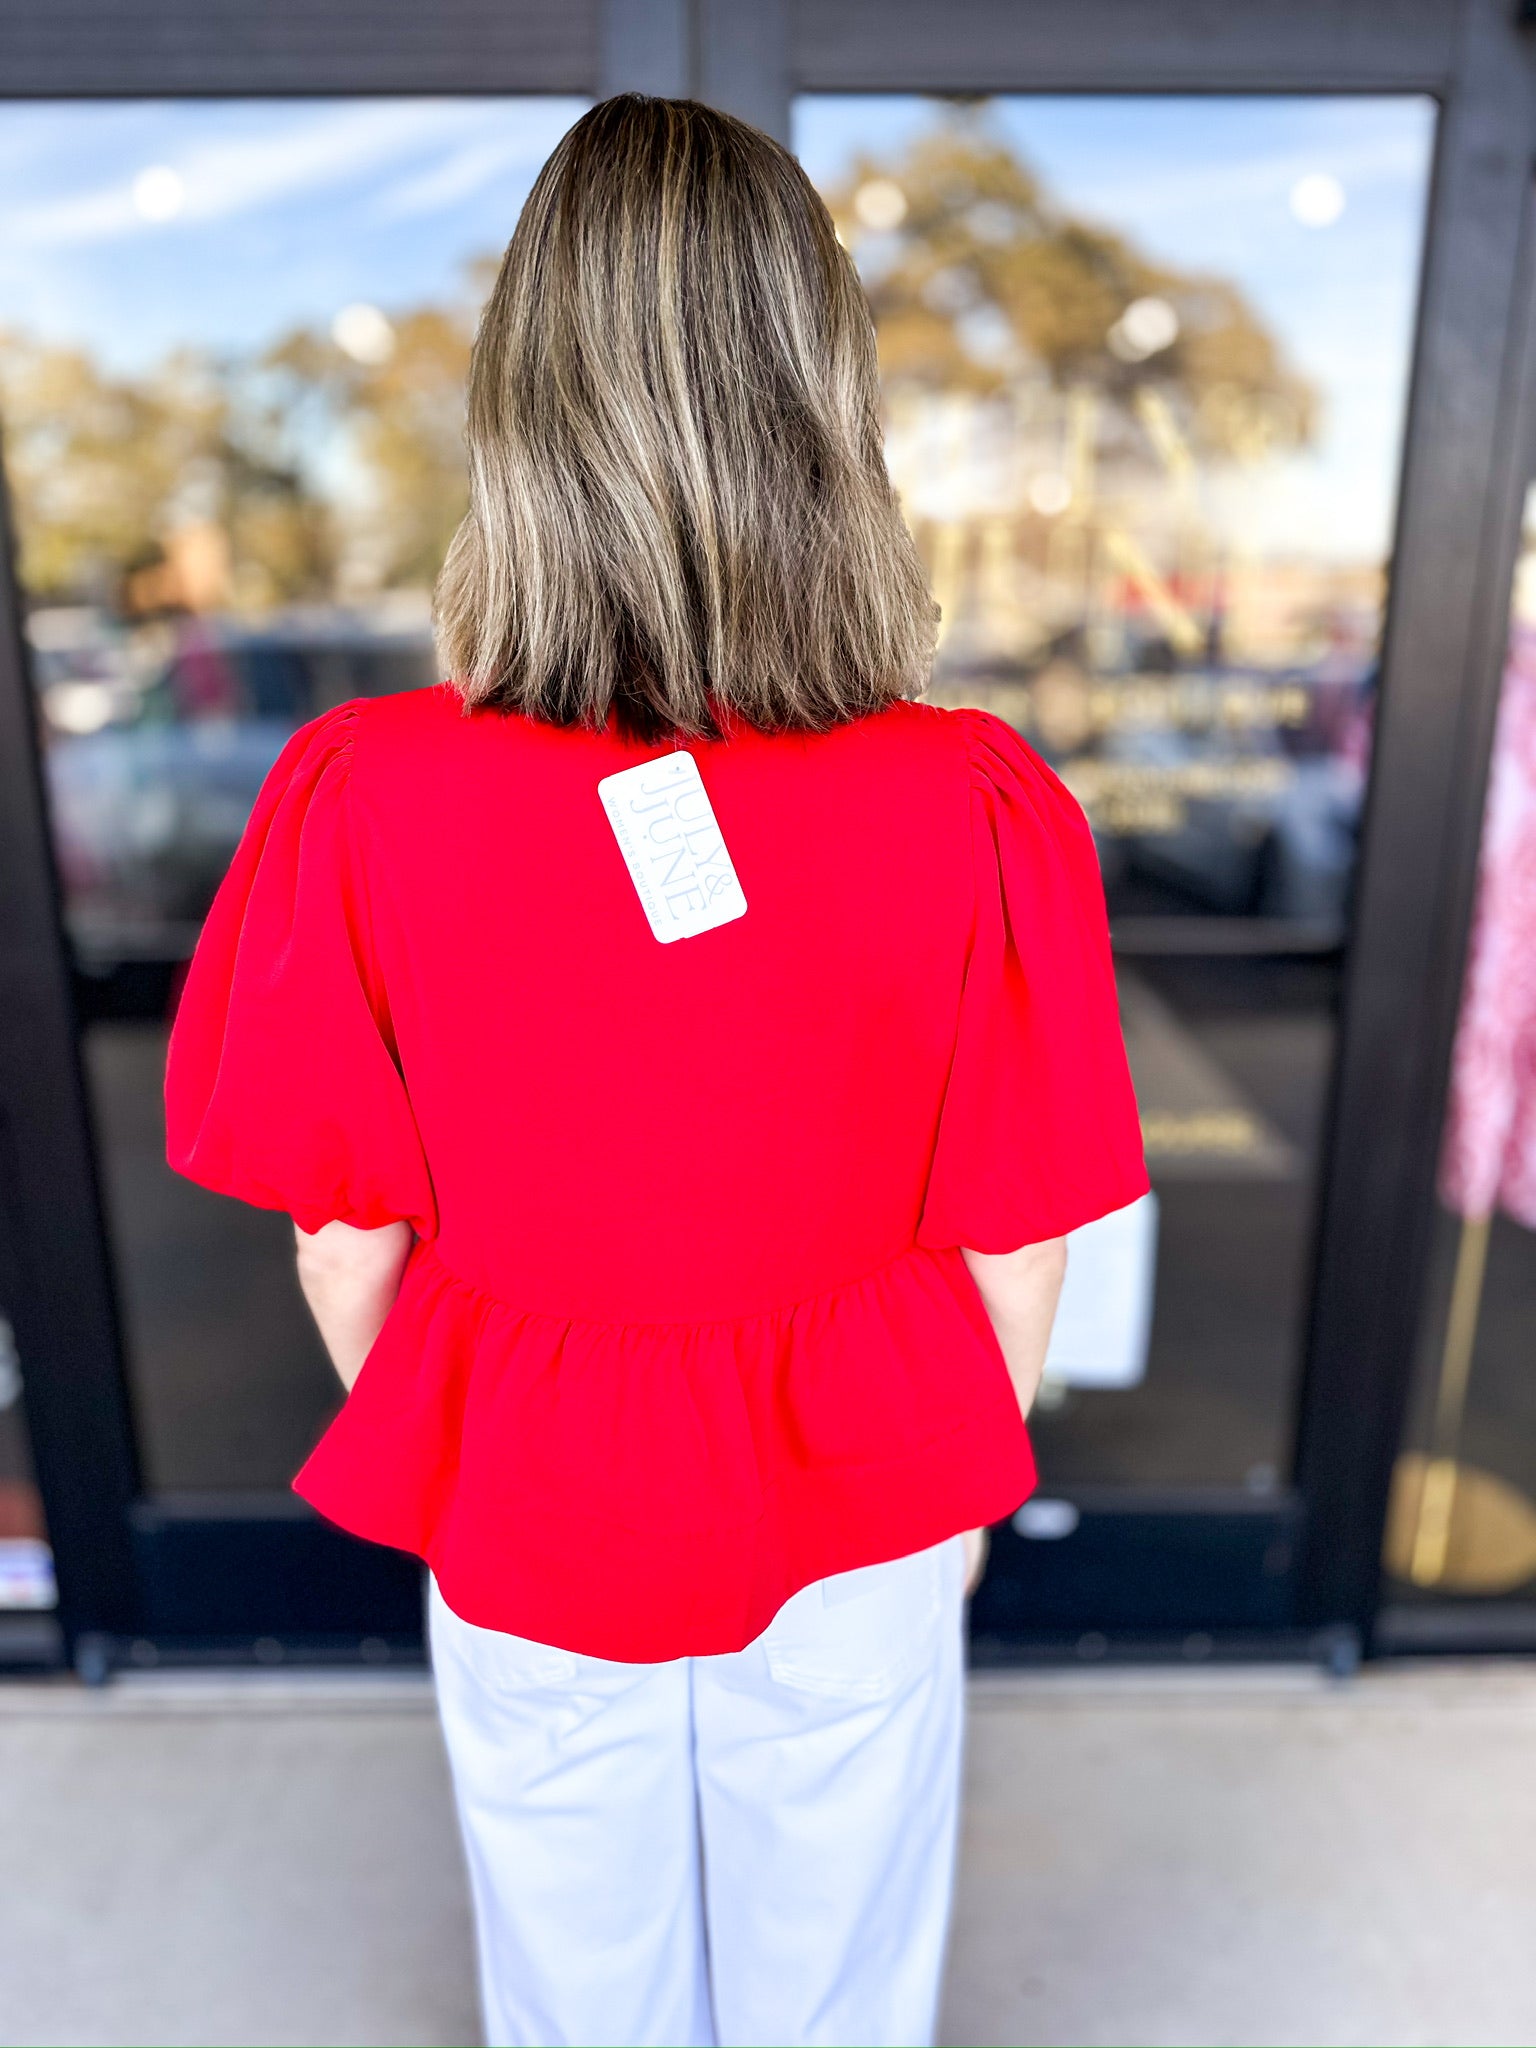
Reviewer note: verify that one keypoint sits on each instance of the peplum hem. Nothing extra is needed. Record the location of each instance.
(651, 1490)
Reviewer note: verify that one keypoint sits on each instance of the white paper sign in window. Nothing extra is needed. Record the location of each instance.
(1104, 1319)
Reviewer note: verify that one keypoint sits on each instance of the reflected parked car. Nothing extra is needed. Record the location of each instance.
(1284, 849)
(151, 780)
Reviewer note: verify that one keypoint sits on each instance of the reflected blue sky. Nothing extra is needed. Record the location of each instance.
(292, 209)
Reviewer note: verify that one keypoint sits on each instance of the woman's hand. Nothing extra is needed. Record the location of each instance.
(977, 1543)
(350, 1279)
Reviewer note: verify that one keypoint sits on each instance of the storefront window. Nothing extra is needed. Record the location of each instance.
(233, 338)
(1463, 1519)
(1145, 365)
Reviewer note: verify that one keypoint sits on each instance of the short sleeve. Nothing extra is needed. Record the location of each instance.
(1039, 1131)
(281, 1085)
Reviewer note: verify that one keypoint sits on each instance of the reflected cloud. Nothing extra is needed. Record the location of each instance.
(469, 169)
(221, 179)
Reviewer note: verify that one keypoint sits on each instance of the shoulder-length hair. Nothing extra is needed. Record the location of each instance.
(679, 510)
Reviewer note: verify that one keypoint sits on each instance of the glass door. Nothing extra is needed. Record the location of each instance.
(233, 337)
(1146, 365)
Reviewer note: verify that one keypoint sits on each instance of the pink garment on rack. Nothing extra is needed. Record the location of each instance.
(1489, 1156)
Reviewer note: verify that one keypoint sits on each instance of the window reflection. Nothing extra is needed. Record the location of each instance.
(1145, 365)
(234, 345)
(233, 338)
(1153, 488)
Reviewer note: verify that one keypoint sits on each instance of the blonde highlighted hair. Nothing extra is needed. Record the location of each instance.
(679, 510)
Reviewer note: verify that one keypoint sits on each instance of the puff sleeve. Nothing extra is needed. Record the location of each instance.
(281, 1085)
(1039, 1131)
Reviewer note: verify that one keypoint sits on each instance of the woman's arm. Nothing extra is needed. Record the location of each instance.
(1019, 1291)
(350, 1279)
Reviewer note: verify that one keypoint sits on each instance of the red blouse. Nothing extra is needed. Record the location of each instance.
(686, 1326)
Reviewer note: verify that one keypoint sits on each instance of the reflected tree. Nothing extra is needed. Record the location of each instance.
(979, 281)
(106, 470)
(320, 474)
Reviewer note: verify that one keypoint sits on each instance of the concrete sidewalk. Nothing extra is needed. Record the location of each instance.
(1238, 1857)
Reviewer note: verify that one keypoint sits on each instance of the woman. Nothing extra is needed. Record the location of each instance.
(682, 1054)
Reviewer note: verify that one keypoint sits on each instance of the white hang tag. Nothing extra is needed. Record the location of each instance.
(662, 818)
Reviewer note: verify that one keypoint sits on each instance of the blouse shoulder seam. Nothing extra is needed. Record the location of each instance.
(995, 762)
(346, 723)
(974, 724)
(341, 723)
(974, 784)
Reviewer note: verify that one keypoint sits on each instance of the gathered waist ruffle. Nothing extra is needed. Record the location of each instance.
(650, 1490)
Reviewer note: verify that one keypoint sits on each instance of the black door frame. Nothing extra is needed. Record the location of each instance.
(1192, 1569)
